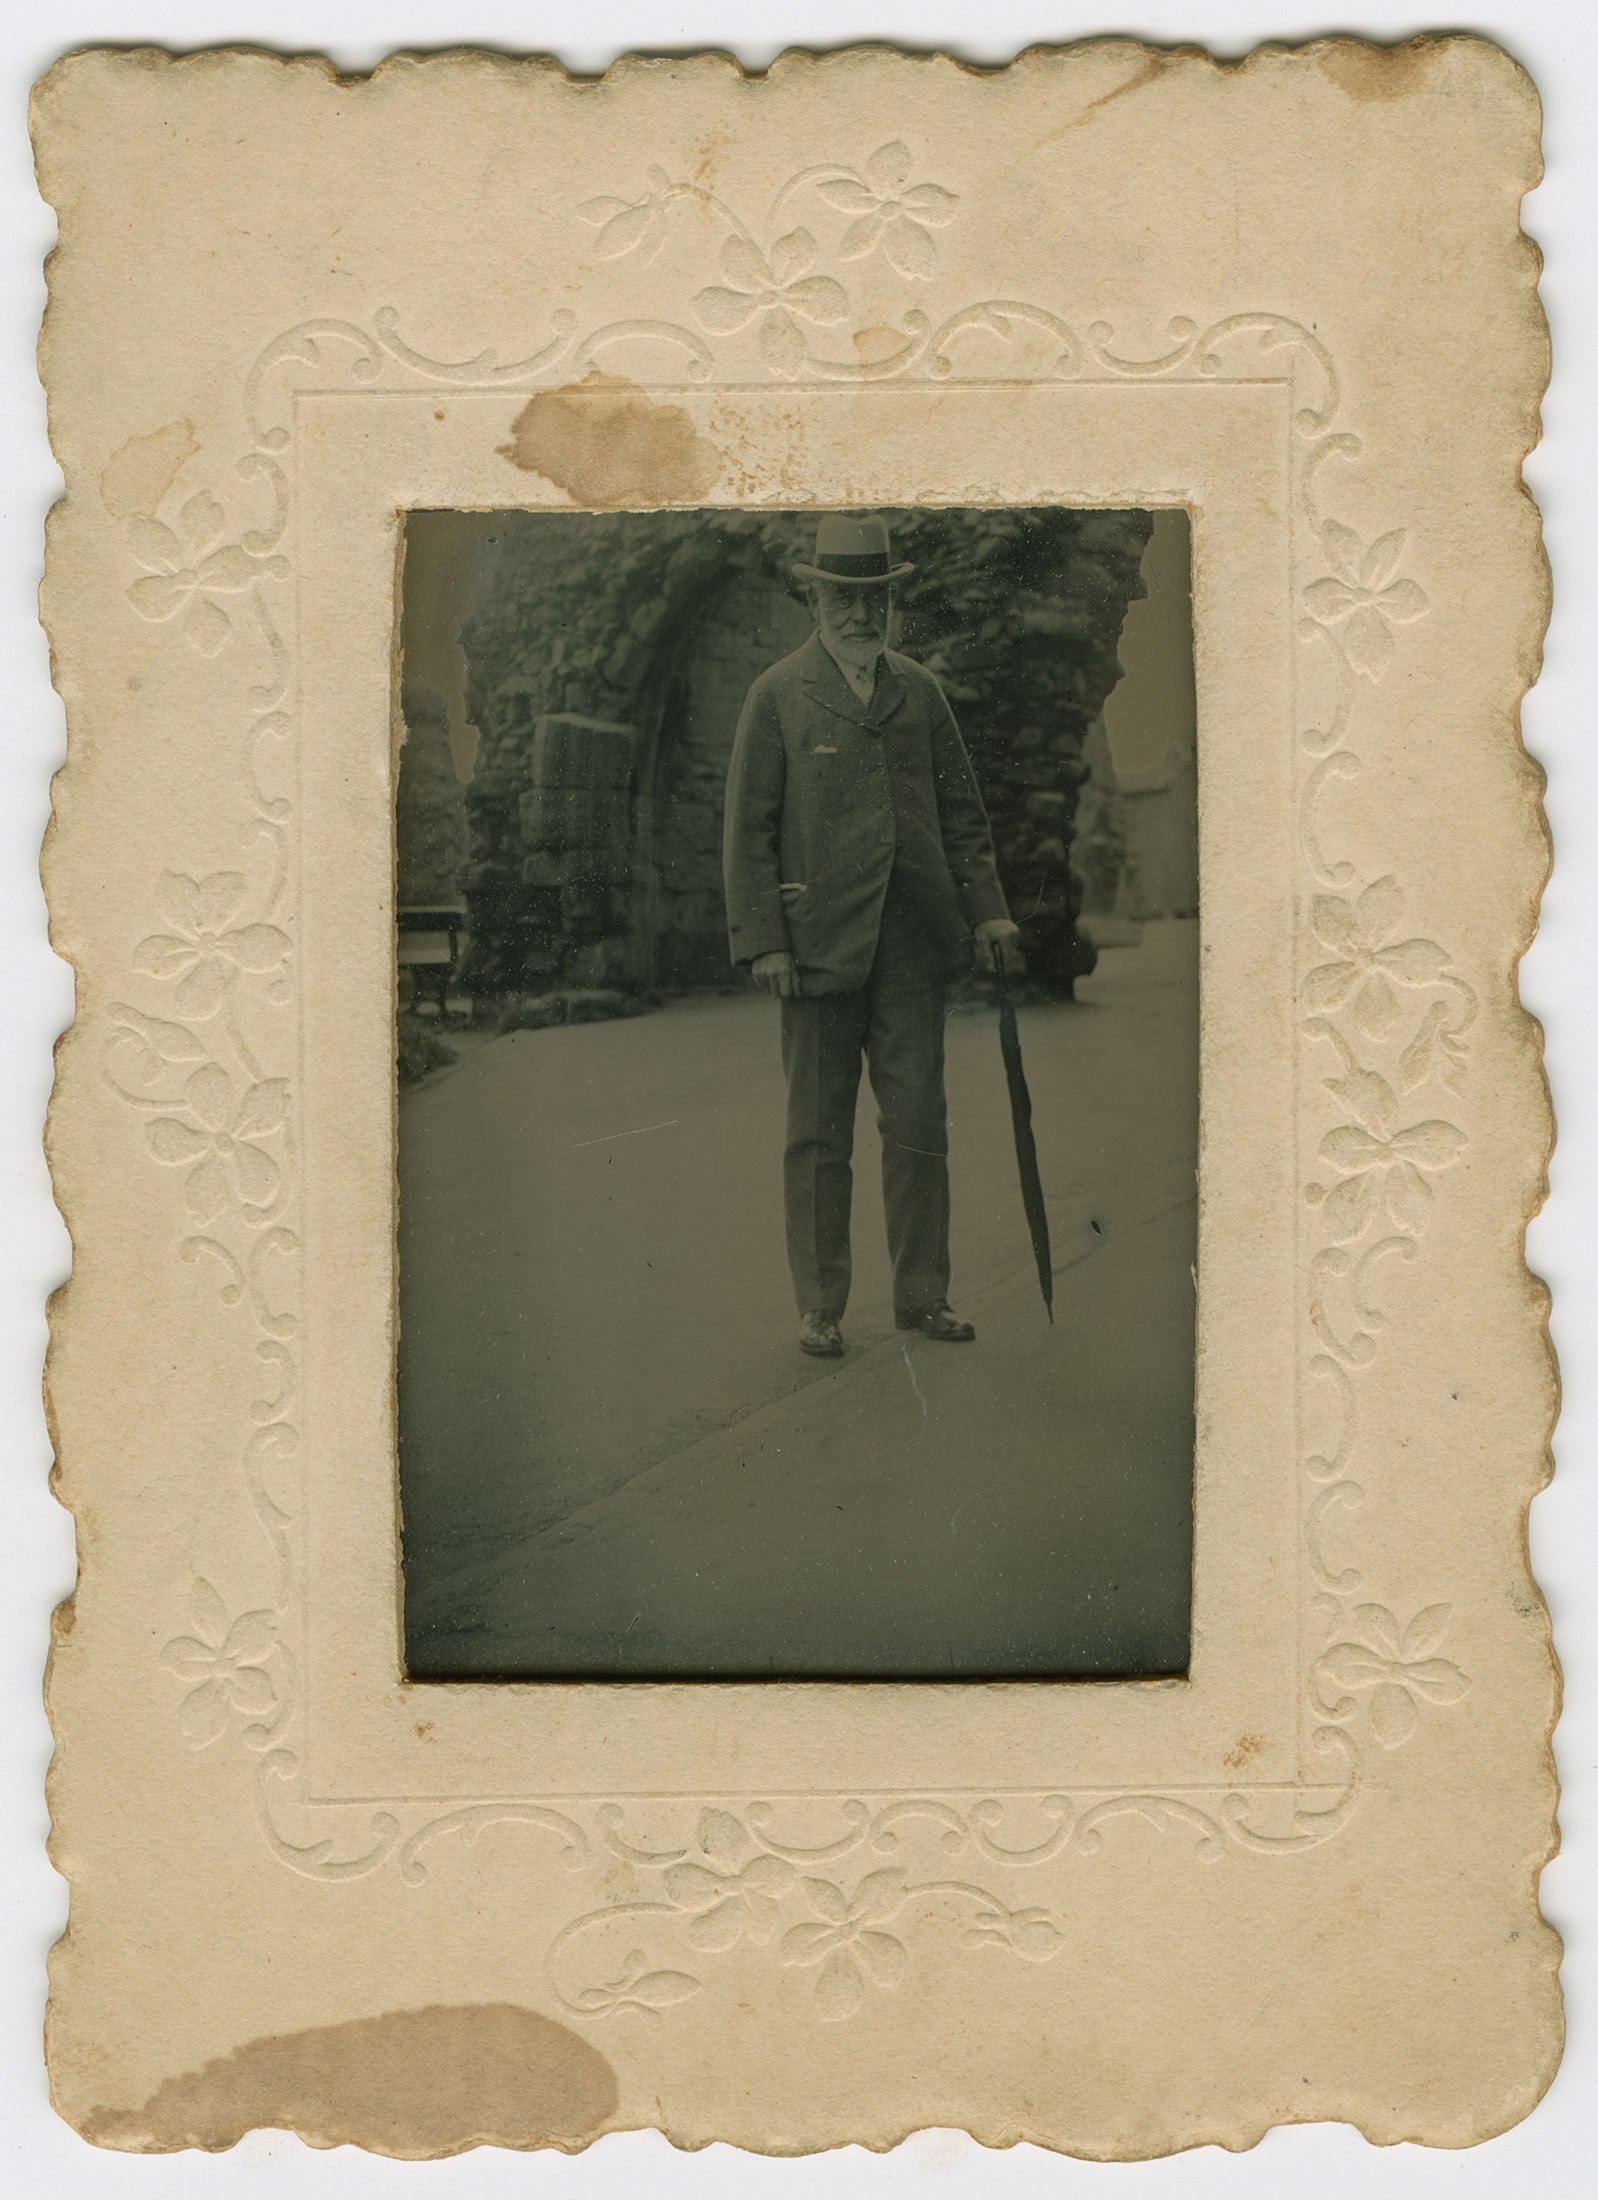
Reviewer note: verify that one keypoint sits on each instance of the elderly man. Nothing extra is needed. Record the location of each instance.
(858, 863)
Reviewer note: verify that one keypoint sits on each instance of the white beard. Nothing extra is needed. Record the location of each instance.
(860, 656)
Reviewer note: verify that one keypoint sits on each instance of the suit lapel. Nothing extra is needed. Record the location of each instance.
(825, 684)
(888, 694)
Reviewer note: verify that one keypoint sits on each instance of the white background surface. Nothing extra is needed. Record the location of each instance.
(1552, 2153)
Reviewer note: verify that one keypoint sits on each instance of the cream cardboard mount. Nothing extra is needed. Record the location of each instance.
(1115, 1919)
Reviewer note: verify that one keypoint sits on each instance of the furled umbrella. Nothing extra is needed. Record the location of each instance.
(1026, 1150)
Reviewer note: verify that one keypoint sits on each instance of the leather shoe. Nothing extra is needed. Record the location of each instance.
(940, 1322)
(820, 1336)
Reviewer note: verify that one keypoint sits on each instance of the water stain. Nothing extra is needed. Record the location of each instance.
(609, 445)
(1368, 72)
(138, 476)
(416, 2083)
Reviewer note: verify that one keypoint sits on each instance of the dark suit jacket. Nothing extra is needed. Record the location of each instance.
(829, 794)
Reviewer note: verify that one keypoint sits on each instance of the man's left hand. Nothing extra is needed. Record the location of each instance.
(1004, 934)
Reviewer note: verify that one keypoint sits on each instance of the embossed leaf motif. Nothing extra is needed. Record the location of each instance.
(659, 1989)
(1396, 1665)
(205, 947)
(782, 344)
(780, 285)
(847, 1943)
(223, 1662)
(888, 213)
(185, 568)
(1364, 598)
(631, 225)
(220, 1142)
(1029, 1932)
(1382, 1163)
(1359, 935)
(155, 1046)
(1436, 1032)
(647, 1992)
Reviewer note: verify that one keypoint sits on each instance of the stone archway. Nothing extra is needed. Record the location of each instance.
(745, 626)
(581, 638)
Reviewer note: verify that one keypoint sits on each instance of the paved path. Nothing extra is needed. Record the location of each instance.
(610, 1437)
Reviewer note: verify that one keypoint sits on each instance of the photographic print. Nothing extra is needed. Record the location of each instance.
(797, 1034)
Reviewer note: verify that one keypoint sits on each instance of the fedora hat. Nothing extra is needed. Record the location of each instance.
(853, 550)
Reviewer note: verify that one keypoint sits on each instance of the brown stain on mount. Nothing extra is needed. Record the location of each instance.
(1154, 67)
(416, 2083)
(609, 445)
(136, 477)
(1151, 69)
(1367, 72)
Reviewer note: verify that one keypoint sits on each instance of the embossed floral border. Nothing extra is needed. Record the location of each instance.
(1386, 1028)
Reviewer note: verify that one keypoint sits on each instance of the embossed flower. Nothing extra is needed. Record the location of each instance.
(1365, 595)
(219, 1148)
(632, 225)
(1396, 1665)
(224, 1662)
(734, 1906)
(1382, 1163)
(782, 284)
(847, 1942)
(738, 1902)
(187, 568)
(1359, 935)
(205, 946)
(888, 214)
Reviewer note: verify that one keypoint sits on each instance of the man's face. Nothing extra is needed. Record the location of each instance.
(854, 620)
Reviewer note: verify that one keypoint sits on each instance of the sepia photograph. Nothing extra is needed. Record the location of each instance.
(797, 1042)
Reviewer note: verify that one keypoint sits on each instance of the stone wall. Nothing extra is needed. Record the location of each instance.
(657, 622)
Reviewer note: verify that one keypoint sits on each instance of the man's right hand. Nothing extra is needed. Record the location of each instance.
(777, 973)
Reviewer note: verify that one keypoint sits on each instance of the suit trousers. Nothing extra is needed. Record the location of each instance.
(895, 1022)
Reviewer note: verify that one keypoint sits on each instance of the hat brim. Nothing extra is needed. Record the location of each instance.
(853, 580)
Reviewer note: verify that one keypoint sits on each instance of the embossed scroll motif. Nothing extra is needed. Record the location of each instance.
(202, 1052)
